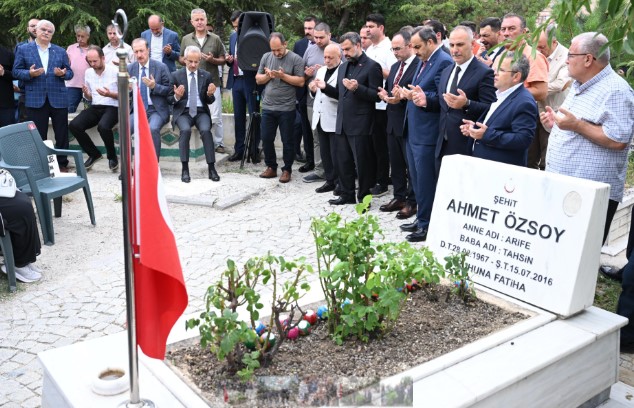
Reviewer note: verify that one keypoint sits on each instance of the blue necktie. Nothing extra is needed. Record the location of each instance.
(193, 95)
(143, 89)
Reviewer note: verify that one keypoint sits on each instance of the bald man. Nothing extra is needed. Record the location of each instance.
(163, 42)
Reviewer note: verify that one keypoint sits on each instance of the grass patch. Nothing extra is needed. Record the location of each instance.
(227, 105)
(607, 293)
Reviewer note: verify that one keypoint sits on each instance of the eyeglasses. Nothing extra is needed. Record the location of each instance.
(576, 55)
(505, 70)
(46, 30)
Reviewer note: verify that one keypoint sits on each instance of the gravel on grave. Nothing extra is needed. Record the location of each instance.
(426, 329)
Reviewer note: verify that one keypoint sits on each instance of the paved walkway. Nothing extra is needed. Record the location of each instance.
(82, 293)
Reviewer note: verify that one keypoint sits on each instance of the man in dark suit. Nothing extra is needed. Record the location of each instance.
(193, 93)
(465, 91)
(163, 42)
(506, 131)
(358, 82)
(154, 82)
(43, 67)
(421, 127)
(401, 75)
(243, 88)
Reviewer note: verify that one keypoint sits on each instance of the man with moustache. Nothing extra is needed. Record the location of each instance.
(193, 93)
(465, 91)
(505, 131)
(357, 83)
(421, 127)
(301, 129)
(101, 89)
(162, 42)
(110, 49)
(324, 91)
(43, 67)
(401, 75)
(513, 26)
(489, 38)
(282, 71)
(313, 60)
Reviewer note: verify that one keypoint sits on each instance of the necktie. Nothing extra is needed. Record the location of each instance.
(143, 89)
(400, 73)
(193, 95)
(420, 71)
(454, 84)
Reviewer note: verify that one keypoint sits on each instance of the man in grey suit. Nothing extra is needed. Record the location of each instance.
(193, 93)
(154, 82)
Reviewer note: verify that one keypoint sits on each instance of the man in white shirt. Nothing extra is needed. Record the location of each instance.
(110, 49)
(100, 88)
(380, 51)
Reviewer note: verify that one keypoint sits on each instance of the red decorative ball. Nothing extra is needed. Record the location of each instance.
(310, 316)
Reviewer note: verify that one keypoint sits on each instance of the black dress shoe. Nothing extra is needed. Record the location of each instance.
(213, 174)
(394, 205)
(418, 236)
(326, 187)
(411, 227)
(91, 161)
(342, 201)
(611, 272)
(113, 164)
(235, 157)
(185, 176)
(307, 167)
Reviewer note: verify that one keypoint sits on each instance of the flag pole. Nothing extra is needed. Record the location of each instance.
(123, 82)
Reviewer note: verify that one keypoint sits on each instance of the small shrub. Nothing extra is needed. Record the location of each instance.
(364, 283)
(226, 335)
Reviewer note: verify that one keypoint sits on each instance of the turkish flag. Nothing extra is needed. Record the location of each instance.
(159, 287)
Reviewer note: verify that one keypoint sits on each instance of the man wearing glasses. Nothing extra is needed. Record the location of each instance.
(505, 132)
(43, 67)
(593, 128)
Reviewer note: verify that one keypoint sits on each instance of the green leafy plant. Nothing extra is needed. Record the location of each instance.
(235, 341)
(364, 282)
(458, 273)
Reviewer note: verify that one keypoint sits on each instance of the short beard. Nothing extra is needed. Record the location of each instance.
(33, 36)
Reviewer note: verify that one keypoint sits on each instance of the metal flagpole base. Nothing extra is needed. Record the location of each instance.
(144, 403)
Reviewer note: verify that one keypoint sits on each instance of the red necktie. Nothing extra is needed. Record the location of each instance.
(236, 70)
(420, 72)
(400, 73)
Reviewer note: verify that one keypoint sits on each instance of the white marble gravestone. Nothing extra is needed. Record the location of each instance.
(532, 235)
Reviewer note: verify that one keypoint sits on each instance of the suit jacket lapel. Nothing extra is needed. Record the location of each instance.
(505, 105)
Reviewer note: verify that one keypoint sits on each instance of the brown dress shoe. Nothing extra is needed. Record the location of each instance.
(269, 173)
(406, 212)
(285, 177)
(393, 205)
